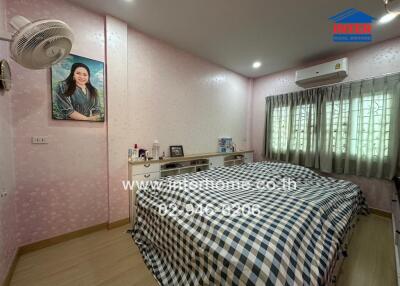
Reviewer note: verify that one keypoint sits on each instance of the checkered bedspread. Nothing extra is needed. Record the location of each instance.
(295, 240)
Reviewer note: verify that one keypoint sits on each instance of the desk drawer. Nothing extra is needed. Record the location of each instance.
(146, 177)
(145, 168)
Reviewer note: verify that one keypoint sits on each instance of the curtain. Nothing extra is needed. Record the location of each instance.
(349, 128)
(291, 127)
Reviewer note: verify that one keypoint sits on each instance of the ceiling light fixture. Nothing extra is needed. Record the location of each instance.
(390, 15)
(387, 18)
(256, 65)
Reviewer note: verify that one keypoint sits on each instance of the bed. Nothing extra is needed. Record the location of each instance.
(295, 238)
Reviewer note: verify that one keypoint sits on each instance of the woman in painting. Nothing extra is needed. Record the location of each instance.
(76, 98)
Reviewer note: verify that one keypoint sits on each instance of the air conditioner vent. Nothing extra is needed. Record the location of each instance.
(327, 73)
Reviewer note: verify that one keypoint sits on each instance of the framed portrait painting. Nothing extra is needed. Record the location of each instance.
(77, 85)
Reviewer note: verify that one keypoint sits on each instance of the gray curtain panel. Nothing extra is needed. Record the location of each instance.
(350, 128)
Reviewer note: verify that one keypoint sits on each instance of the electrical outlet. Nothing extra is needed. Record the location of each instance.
(40, 140)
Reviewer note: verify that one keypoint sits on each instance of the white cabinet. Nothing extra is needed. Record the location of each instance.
(141, 172)
(237, 158)
(145, 168)
(396, 229)
(248, 157)
(139, 180)
(146, 177)
(182, 166)
(216, 161)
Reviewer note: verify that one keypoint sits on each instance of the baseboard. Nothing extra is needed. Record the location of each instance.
(61, 238)
(380, 212)
(118, 223)
(55, 240)
(11, 270)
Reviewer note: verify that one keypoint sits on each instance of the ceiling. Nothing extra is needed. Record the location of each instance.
(235, 33)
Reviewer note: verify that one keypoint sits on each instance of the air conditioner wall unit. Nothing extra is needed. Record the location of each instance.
(323, 74)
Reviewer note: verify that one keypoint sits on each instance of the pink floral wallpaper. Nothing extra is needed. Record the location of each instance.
(374, 60)
(117, 78)
(8, 224)
(171, 96)
(61, 186)
(154, 92)
(181, 99)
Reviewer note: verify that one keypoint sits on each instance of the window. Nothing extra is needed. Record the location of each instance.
(280, 129)
(363, 136)
(303, 132)
(303, 128)
(370, 126)
(336, 128)
(347, 128)
(354, 129)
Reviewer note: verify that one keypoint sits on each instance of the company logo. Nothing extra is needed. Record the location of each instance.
(352, 25)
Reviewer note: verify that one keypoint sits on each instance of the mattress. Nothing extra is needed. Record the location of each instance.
(261, 223)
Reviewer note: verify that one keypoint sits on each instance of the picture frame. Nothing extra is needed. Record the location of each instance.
(78, 89)
(176, 151)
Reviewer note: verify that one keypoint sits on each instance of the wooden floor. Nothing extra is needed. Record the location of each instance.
(107, 257)
(111, 258)
(371, 258)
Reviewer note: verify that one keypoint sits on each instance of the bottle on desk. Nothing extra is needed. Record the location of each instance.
(156, 150)
(130, 154)
(135, 152)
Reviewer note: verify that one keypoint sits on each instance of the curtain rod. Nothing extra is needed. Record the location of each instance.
(342, 82)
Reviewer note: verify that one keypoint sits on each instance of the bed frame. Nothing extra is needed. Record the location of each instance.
(341, 255)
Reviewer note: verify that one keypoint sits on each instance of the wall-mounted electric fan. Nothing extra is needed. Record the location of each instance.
(39, 44)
